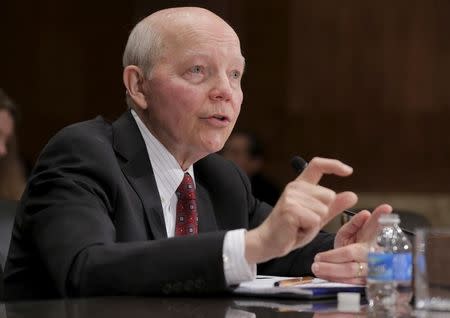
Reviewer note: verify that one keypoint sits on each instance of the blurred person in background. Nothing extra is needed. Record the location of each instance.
(246, 150)
(12, 175)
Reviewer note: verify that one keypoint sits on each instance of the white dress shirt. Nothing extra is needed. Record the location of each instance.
(168, 175)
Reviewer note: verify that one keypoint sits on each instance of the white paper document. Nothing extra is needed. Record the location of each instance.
(318, 288)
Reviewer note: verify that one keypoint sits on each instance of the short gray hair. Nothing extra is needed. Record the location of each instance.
(143, 48)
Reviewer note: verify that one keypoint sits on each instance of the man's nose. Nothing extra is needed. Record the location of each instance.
(221, 90)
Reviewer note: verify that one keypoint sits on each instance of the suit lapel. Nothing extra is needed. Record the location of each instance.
(206, 219)
(136, 166)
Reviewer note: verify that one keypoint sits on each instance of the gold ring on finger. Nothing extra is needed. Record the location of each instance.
(360, 269)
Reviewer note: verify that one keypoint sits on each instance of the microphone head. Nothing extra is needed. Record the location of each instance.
(298, 164)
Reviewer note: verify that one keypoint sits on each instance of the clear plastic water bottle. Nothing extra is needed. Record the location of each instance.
(390, 265)
(403, 266)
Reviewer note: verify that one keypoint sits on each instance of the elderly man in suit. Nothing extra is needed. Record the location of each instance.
(143, 205)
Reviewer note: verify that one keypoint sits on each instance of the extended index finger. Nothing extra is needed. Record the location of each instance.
(317, 167)
(369, 230)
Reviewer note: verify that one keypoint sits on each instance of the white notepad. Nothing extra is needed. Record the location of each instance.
(318, 288)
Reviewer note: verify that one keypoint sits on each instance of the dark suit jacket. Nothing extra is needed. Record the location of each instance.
(91, 221)
(264, 189)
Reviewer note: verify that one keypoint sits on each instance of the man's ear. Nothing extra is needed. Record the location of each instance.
(133, 80)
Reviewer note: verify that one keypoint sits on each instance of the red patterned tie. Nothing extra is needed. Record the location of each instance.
(187, 219)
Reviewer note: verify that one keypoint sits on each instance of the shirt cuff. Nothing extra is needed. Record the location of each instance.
(235, 266)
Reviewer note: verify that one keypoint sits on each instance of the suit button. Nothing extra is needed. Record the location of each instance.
(177, 287)
(167, 288)
(188, 286)
(199, 284)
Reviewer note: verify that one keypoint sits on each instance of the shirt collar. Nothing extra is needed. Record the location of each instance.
(167, 171)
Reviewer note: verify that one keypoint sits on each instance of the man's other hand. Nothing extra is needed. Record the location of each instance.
(347, 262)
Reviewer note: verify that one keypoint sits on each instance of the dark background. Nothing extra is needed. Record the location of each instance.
(363, 81)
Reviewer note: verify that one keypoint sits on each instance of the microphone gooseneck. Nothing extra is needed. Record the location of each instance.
(299, 164)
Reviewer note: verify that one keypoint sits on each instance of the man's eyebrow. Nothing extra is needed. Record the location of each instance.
(240, 60)
(190, 54)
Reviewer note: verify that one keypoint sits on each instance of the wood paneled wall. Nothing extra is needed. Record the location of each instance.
(61, 62)
(363, 81)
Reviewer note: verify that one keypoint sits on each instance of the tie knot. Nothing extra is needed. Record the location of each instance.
(186, 188)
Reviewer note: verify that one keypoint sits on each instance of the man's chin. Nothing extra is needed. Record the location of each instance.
(214, 147)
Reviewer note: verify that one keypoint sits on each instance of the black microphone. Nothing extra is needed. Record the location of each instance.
(299, 164)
